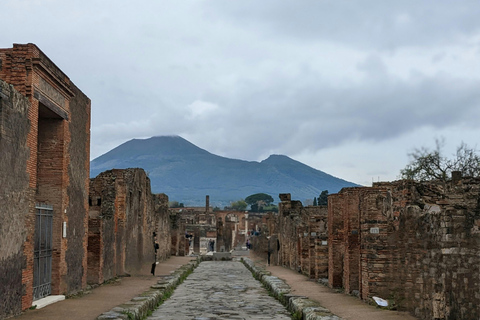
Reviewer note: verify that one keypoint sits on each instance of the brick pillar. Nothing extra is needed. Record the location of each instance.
(335, 240)
(352, 238)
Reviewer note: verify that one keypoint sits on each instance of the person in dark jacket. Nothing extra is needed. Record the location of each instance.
(269, 251)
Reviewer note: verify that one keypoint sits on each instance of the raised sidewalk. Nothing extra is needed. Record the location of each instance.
(105, 297)
(345, 306)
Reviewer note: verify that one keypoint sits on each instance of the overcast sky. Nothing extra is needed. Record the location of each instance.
(347, 87)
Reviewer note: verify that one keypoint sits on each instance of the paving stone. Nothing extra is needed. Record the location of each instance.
(220, 290)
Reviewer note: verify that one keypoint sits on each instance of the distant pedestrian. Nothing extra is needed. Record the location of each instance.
(211, 244)
(269, 251)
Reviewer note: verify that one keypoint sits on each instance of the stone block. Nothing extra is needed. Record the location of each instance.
(222, 256)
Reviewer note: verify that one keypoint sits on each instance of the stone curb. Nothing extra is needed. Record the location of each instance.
(139, 307)
(304, 307)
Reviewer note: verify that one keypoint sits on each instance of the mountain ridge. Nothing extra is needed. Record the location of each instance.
(187, 173)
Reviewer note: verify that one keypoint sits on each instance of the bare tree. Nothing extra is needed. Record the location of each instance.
(429, 164)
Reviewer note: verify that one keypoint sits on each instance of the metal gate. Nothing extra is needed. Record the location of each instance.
(42, 263)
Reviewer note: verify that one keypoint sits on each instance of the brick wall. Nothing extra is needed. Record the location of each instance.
(318, 236)
(123, 217)
(78, 169)
(163, 227)
(336, 245)
(297, 237)
(179, 244)
(290, 232)
(417, 245)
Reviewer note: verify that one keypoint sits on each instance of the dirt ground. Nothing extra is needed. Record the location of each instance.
(105, 297)
(345, 306)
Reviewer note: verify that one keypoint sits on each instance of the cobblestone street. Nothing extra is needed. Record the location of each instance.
(221, 290)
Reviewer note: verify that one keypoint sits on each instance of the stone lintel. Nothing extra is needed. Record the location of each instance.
(50, 105)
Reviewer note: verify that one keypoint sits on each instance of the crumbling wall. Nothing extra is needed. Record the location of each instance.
(162, 229)
(318, 229)
(190, 228)
(231, 229)
(344, 217)
(125, 221)
(16, 197)
(102, 236)
(296, 237)
(418, 244)
(289, 221)
(179, 243)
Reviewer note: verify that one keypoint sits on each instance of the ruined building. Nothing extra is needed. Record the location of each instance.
(416, 244)
(44, 143)
(194, 229)
(231, 229)
(128, 226)
(296, 238)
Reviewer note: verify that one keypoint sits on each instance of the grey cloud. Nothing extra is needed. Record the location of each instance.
(273, 68)
(372, 23)
(317, 115)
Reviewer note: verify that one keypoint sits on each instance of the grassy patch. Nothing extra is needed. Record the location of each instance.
(129, 314)
(297, 315)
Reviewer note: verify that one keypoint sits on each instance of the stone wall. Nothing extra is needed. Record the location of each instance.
(296, 237)
(16, 197)
(163, 226)
(179, 245)
(417, 244)
(125, 219)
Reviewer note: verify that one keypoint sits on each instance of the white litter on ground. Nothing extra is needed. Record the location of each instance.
(380, 301)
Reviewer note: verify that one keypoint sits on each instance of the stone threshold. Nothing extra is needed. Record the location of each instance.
(41, 303)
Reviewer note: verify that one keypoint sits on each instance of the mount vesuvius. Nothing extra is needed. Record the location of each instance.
(187, 173)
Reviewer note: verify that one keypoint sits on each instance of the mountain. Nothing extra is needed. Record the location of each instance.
(187, 173)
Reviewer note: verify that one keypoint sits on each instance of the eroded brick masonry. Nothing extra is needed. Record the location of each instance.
(416, 244)
(296, 238)
(126, 222)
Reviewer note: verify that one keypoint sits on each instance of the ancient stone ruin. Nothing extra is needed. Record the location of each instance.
(413, 244)
(200, 230)
(128, 226)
